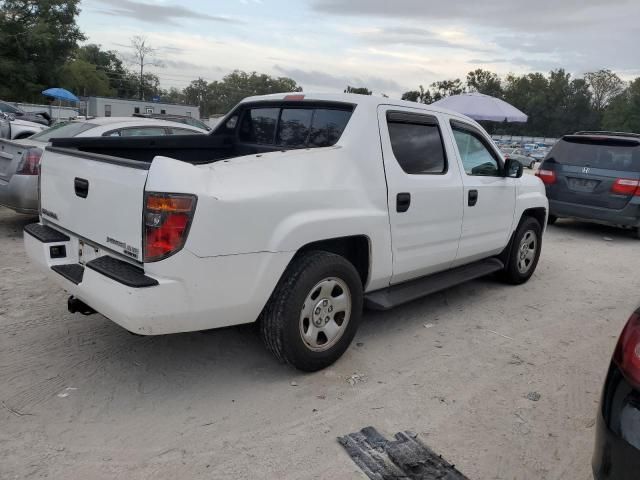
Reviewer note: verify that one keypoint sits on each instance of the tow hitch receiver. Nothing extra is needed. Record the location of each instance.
(78, 306)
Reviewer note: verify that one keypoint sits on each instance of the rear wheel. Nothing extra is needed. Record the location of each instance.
(314, 312)
(524, 253)
(532, 165)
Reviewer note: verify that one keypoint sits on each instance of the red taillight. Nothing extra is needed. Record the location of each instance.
(548, 177)
(30, 162)
(294, 97)
(167, 218)
(626, 186)
(627, 354)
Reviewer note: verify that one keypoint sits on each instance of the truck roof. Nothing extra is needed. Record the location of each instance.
(356, 99)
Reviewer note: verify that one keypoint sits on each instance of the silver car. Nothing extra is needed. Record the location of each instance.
(20, 159)
(520, 155)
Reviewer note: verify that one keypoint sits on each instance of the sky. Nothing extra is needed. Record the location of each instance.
(389, 46)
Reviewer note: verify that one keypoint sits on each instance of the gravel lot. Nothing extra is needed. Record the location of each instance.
(84, 399)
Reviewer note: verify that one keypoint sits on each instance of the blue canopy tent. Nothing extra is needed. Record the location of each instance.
(60, 94)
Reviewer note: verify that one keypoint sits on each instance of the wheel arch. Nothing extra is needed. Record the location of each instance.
(537, 213)
(355, 248)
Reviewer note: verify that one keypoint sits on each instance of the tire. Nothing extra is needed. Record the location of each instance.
(532, 165)
(551, 220)
(524, 252)
(314, 311)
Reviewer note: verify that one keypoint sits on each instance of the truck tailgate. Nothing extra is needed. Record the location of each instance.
(96, 197)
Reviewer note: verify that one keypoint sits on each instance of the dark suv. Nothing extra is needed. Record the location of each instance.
(594, 176)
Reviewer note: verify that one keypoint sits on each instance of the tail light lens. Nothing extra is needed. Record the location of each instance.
(627, 354)
(548, 177)
(167, 218)
(30, 162)
(626, 186)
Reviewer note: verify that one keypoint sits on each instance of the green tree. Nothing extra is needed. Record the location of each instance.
(358, 90)
(123, 83)
(197, 93)
(226, 93)
(623, 112)
(483, 81)
(85, 79)
(173, 95)
(446, 88)
(420, 96)
(604, 85)
(37, 37)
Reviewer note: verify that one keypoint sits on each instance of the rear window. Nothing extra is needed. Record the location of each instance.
(613, 154)
(63, 130)
(293, 127)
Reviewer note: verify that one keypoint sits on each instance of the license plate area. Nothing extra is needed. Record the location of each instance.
(88, 252)
(583, 185)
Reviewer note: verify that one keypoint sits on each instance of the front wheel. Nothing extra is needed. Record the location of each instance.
(314, 312)
(552, 219)
(524, 253)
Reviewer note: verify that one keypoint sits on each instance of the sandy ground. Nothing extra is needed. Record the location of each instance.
(84, 399)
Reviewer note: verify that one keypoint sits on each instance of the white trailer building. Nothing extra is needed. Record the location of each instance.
(120, 107)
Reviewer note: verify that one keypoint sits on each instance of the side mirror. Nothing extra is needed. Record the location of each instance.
(512, 168)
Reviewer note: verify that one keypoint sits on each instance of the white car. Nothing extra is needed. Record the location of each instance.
(13, 128)
(19, 159)
(295, 211)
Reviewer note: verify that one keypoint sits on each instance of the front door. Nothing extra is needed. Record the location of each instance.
(424, 192)
(489, 196)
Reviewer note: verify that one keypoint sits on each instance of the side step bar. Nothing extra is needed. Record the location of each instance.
(388, 298)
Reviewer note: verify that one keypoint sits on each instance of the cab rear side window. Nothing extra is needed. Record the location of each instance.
(416, 142)
(259, 125)
(294, 127)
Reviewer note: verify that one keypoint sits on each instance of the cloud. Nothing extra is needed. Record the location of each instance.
(157, 13)
(578, 36)
(408, 35)
(315, 78)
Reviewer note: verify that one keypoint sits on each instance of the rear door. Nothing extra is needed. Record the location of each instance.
(587, 168)
(96, 197)
(424, 192)
(489, 197)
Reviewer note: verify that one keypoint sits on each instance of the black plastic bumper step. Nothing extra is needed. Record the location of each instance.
(412, 290)
(71, 271)
(45, 234)
(121, 272)
(406, 457)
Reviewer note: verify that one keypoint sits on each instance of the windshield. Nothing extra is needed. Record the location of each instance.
(63, 130)
(609, 154)
(6, 108)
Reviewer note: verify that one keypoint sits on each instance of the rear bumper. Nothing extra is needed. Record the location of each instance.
(616, 454)
(20, 193)
(628, 216)
(186, 293)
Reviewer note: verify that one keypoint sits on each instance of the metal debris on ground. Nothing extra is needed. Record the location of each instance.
(405, 458)
(356, 378)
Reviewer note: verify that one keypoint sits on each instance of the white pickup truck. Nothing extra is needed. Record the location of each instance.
(295, 211)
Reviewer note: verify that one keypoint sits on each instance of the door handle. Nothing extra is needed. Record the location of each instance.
(473, 197)
(81, 187)
(403, 200)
